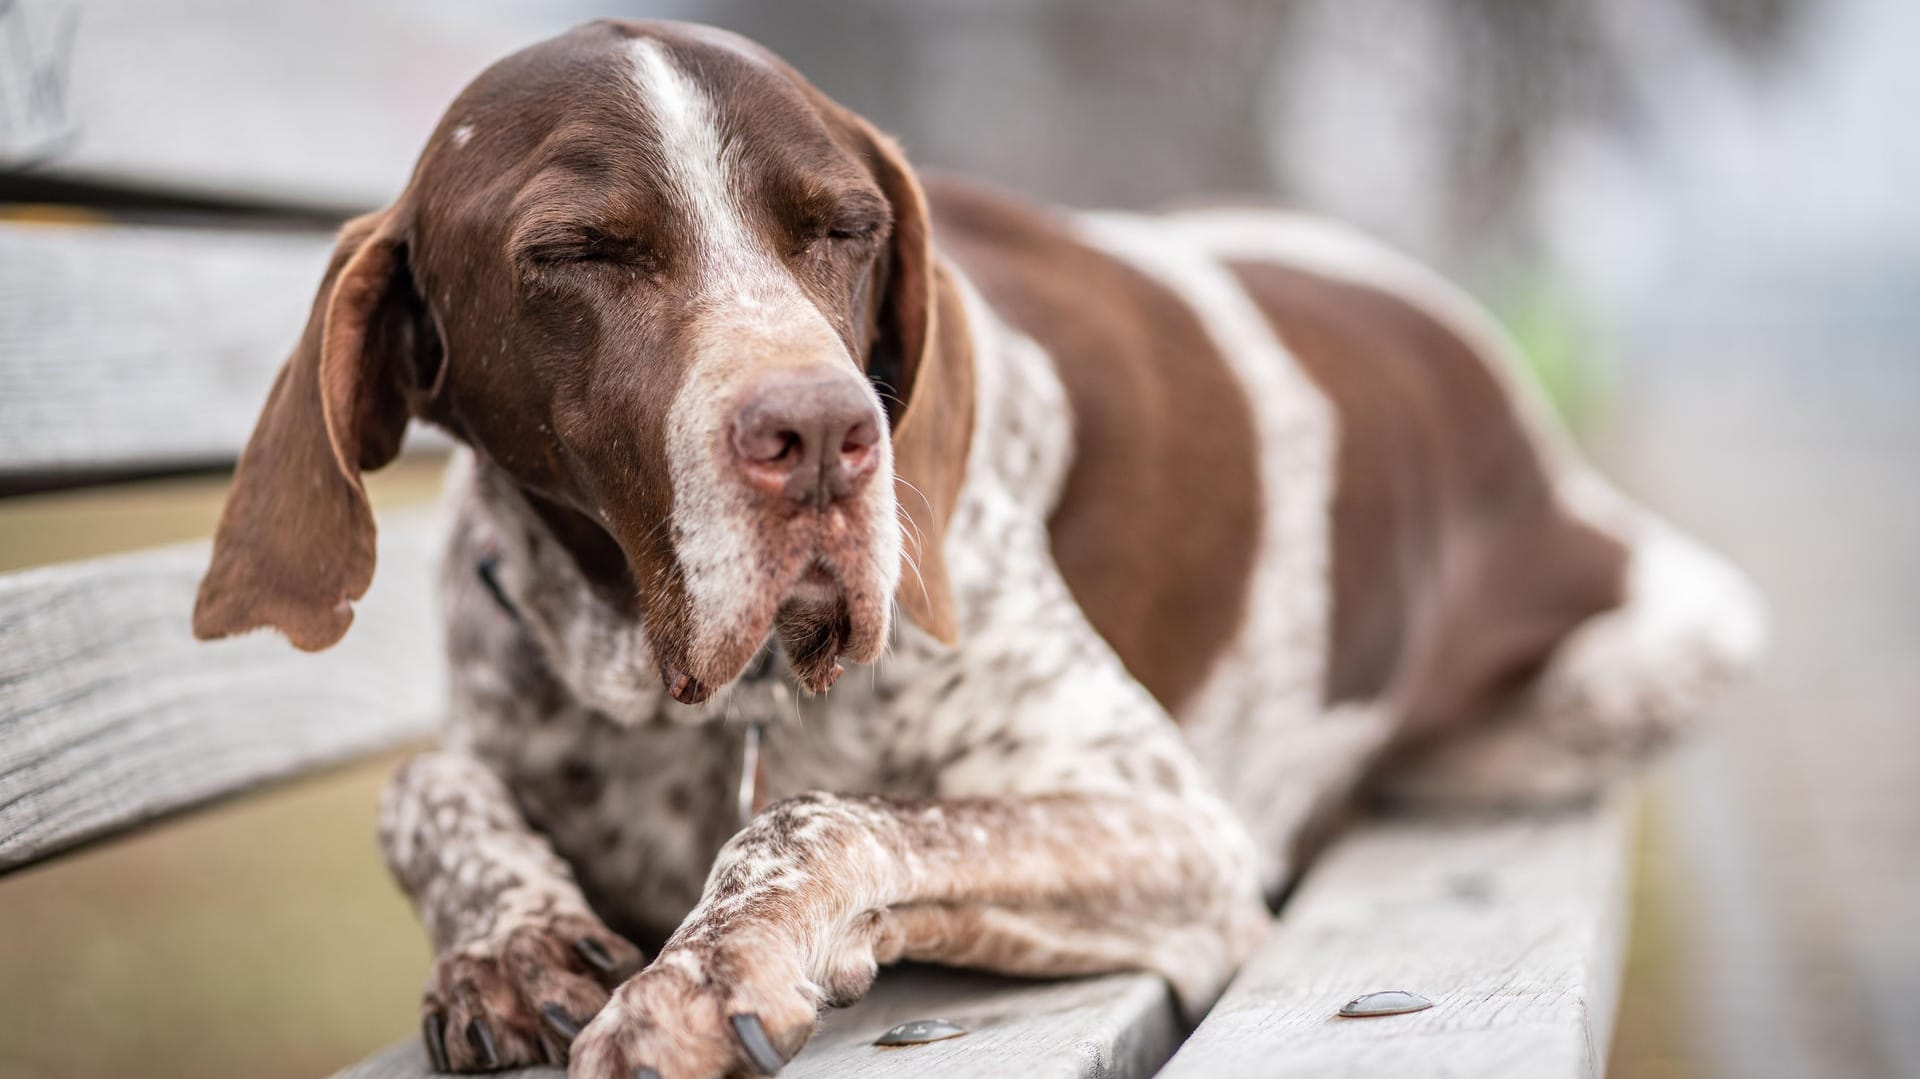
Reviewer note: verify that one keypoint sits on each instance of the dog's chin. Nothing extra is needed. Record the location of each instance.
(819, 618)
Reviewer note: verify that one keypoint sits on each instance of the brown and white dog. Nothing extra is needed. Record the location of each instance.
(1197, 523)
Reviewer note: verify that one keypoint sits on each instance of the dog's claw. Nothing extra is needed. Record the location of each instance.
(433, 1031)
(562, 1023)
(481, 1036)
(596, 955)
(760, 1050)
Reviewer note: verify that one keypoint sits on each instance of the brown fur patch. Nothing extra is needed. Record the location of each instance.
(1455, 570)
(1156, 527)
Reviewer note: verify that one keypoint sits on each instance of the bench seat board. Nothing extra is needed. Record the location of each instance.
(112, 714)
(1122, 1026)
(1515, 929)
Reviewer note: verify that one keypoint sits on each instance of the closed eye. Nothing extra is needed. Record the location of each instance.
(545, 243)
(853, 230)
(850, 230)
(592, 245)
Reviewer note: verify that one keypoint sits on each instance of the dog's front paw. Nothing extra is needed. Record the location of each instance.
(520, 995)
(700, 1014)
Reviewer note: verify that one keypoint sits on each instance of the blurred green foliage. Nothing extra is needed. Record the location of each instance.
(1560, 348)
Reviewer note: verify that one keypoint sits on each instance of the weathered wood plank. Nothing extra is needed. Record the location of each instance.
(316, 104)
(135, 347)
(1514, 929)
(112, 714)
(139, 349)
(1117, 1027)
(1114, 1027)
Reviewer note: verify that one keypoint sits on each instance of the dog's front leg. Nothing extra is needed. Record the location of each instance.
(1102, 850)
(521, 962)
(804, 904)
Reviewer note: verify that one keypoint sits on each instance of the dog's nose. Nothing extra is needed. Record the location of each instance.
(808, 434)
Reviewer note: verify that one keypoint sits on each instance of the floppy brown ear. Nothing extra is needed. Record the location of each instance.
(295, 544)
(923, 360)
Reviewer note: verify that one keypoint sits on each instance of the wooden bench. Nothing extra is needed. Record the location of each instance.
(138, 339)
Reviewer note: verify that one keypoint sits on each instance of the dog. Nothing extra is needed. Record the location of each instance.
(1152, 541)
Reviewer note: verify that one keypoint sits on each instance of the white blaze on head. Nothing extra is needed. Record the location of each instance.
(753, 316)
(697, 170)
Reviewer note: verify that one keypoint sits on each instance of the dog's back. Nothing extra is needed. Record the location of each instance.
(1314, 504)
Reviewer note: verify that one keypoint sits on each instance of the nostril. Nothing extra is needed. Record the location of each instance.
(859, 438)
(784, 444)
(762, 439)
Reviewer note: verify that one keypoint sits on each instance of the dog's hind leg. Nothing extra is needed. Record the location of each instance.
(1618, 688)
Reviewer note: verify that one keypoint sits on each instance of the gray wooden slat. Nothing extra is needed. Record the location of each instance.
(134, 347)
(1117, 1027)
(1514, 929)
(315, 104)
(112, 714)
(1114, 1027)
(140, 349)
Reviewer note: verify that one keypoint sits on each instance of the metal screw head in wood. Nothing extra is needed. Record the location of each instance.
(1387, 1002)
(921, 1031)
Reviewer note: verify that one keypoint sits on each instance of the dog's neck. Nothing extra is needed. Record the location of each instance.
(595, 553)
(561, 578)
(567, 585)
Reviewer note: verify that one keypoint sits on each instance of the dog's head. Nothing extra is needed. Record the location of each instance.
(688, 305)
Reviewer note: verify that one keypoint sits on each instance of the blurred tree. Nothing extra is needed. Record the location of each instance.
(1526, 68)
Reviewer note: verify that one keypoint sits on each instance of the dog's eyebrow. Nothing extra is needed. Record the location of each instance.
(561, 207)
(819, 185)
(855, 207)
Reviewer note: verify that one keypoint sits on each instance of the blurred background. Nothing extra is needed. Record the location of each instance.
(1698, 216)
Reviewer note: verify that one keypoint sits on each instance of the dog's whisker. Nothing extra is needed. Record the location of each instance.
(914, 565)
(909, 485)
(910, 525)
